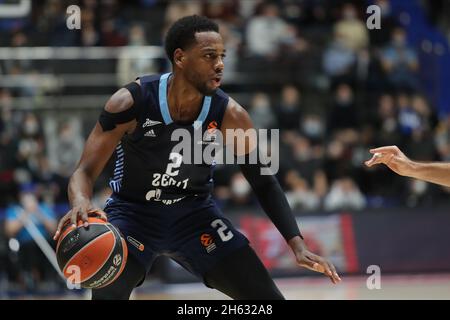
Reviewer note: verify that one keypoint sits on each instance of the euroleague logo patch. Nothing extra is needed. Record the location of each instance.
(210, 135)
(212, 127)
(117, 260)
(206, 239)
(207, 242)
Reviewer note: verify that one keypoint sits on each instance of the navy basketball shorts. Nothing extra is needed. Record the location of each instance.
(193, 232)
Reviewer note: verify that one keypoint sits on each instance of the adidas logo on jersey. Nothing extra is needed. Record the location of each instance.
(148, 123)
(150, 133)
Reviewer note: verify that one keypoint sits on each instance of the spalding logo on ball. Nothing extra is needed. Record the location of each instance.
(98, 251)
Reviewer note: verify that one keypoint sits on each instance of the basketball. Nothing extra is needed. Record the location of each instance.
(92, 257)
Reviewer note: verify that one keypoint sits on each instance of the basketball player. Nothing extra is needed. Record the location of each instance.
(164, 206)
(395, 159)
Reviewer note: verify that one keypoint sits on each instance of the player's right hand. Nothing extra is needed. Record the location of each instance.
(393, 158)
(79, 212)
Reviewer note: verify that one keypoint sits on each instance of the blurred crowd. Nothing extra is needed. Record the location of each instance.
(333, 88)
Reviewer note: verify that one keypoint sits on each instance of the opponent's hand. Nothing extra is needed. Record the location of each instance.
(309, 260)
(393, 158)
(82, 210)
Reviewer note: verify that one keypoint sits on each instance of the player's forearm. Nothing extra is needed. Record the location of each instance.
(272, 200)
(435, 172)
(80, 187)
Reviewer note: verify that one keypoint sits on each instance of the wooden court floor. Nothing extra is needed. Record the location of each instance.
(393, 287)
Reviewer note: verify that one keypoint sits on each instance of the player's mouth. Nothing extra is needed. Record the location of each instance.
(217, 80)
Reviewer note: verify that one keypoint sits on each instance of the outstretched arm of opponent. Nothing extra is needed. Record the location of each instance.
(270, 193)
(99, 147)
(395, 159)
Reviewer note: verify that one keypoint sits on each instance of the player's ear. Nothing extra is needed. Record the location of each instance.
(179, 57)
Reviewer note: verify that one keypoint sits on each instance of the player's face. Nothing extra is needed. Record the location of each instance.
(204, 67)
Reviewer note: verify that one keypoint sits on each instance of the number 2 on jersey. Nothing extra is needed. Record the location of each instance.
(176, 159)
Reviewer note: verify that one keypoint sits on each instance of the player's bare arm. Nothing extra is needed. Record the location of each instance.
(397, 161)
(236, 117)
(275, 203)
(99, 147)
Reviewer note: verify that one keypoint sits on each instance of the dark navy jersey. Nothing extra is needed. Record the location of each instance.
(147, 166)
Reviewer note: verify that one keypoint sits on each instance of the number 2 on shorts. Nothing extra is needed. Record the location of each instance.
(222, 230)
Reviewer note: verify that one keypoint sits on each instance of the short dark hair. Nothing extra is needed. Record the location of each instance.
(182, 33)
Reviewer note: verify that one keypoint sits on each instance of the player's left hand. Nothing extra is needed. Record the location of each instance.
(307, 259)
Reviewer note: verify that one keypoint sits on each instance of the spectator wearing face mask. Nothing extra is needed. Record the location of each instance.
(313, 127)
(408, 118)
(31, 143)
(343, 113)
(289, 110)
(339, 61)
(266, 32)
(69, 147)
(353, 31)
(299, 195)
(128, 65)
(386, 121)
(400, 63)
(344, 195)
(261, 112)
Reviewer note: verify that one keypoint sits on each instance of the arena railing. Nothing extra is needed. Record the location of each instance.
(83, 77)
